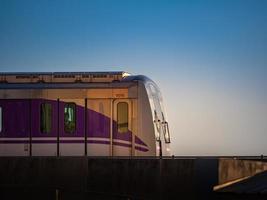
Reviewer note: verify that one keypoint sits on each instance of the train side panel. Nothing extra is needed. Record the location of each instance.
(15, 127)
(98, 131)
(145, 123)
(71, 127)
(44, 139)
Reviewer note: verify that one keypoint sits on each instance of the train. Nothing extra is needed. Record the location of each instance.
(81, 114)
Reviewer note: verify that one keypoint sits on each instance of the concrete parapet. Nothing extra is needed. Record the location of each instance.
(233, 169)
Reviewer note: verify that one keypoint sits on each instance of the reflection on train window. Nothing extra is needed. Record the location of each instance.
(1, 119)
(122, 117)
(46, 118)
(70, 118)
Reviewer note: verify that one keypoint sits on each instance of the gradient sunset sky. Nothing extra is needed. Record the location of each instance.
(208, 57)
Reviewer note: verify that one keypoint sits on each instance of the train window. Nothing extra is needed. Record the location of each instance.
(122, 117)
(70, 117)
(1, 118)
(46, 118)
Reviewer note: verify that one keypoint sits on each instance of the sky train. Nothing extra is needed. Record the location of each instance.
(81, 113)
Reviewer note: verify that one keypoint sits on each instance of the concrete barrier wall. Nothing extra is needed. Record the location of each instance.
(144, 178)
(43, 172)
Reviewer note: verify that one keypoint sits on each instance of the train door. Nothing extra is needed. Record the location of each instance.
(122, 122)
(15, 127)
(44, 125)
(98, 127)
(71, 127)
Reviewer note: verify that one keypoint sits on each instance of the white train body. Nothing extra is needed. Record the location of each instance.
(81, 113)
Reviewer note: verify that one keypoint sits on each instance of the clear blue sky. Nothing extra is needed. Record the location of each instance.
(208, 57)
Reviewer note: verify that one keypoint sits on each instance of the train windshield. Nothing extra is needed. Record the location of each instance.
(160, 122)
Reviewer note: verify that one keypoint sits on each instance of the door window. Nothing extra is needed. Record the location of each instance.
(46, 118)
(70, 117)
(122, 117)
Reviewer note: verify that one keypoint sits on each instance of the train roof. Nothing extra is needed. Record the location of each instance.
(41, 80)
(57, 73)
(62, 77)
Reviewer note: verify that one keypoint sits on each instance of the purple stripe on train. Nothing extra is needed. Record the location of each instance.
(144, 149)
(17, 115)
(14, 141)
